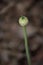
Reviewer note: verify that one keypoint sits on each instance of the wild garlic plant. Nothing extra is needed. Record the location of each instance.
(23, 21)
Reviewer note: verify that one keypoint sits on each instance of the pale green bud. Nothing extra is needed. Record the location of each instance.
(23, 21)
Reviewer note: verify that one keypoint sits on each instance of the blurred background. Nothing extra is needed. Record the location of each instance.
(12, 49)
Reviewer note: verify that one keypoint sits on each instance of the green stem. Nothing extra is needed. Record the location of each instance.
(26, 46)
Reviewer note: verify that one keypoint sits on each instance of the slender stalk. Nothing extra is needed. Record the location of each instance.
(26, 46)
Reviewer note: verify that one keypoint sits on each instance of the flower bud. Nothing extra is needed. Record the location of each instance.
(23, 21)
